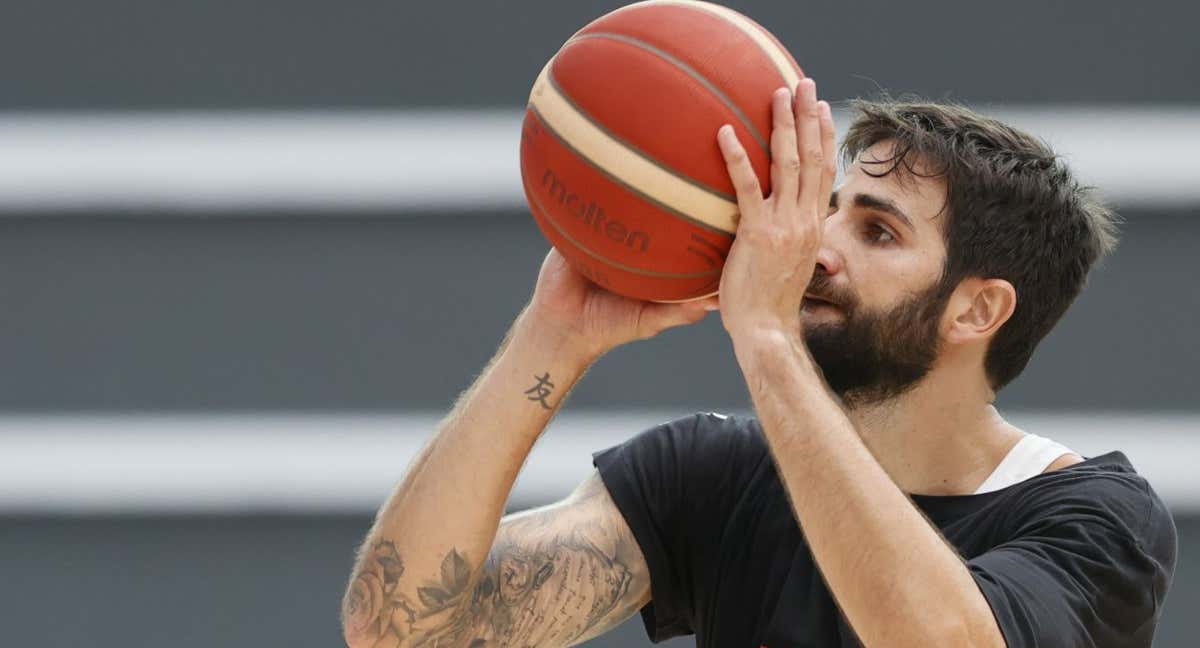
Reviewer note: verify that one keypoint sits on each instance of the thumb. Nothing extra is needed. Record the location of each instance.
(658, 317)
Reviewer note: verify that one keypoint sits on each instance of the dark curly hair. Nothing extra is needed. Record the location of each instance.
(1014, 211)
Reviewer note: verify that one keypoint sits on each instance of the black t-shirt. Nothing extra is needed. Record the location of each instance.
(1080, 556)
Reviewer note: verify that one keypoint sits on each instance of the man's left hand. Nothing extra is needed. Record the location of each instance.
(773, 256)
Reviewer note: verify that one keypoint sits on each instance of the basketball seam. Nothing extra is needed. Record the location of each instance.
(632, 189)
(704, 255)
(782, 64)
(690, 71)
(537, 204)
(783, 69)
(634, 149)
(709, 244)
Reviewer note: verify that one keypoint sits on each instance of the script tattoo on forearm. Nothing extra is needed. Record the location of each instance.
(541, 390)
(544, 593)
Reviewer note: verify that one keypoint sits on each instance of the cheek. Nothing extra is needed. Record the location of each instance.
(884, 277)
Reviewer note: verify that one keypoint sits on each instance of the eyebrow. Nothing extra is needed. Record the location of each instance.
(878, 203)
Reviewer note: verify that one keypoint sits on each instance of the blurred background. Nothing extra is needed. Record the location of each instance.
(251, 252)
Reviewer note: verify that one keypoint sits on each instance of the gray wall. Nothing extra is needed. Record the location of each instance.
(69, 54)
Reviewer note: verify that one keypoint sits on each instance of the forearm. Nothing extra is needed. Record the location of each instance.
(441, 520)
(894, 577)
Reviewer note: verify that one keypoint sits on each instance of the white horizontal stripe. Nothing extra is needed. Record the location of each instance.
(349, 463)
(446, 160)
(1134, 156)
(207, 161)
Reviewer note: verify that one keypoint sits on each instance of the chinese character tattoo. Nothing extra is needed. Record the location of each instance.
(541, 390)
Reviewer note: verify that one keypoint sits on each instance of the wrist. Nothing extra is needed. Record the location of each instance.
(767, 339)
(564, 343)
(759, 346)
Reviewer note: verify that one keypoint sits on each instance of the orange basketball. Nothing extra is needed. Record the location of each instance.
(619, 156)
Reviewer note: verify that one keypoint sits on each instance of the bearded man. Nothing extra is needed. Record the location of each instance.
(876, 498)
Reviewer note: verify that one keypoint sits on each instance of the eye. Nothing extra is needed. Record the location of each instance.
(876, 233)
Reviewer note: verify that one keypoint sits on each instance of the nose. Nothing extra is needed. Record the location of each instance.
(829, 257)
(829, 260)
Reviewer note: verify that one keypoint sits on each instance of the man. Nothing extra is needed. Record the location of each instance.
(878, 497)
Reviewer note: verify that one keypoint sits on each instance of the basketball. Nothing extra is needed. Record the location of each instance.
(619, 158)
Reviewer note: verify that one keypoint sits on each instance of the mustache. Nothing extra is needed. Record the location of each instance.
(821, 287)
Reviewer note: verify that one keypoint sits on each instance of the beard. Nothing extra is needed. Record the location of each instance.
(875, 355)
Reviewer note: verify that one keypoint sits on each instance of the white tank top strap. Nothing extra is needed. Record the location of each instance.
(1030, 457)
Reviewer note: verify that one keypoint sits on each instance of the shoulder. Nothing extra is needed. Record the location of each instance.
(1109, 481)
(700, 433)
(716, 440)
(704, 453)
(1103, 492)
(732, 429)
(736, 427)
(1085, 555)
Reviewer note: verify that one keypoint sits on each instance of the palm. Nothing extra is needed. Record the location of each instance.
(601, 319)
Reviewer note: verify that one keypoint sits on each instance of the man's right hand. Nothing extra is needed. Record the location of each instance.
(594, 320)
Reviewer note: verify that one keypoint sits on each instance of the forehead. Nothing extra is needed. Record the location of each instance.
(876, 172)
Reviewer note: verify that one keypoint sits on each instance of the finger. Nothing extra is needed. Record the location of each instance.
(808, 120)
(829, 149)
(745, 182)
(785, 160)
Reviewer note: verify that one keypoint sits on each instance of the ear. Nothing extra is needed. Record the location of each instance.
(977, 309)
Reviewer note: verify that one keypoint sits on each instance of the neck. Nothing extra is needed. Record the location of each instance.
(942, 437)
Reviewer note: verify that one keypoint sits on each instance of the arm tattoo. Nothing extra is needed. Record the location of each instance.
(541, 390)
(534, 589)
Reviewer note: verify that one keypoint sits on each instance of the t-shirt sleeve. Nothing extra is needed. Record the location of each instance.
(1089, 567)
(675, 485)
